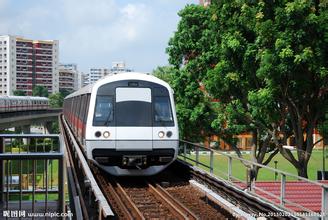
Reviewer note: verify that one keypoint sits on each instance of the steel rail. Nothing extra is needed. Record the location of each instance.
(133, 208)
(187, 214)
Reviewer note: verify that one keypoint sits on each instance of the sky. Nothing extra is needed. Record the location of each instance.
(95, 33)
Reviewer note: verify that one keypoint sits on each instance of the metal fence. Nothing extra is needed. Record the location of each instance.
(31, 170)
(238, 171)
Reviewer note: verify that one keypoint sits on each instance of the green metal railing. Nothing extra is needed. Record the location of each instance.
(31, 171)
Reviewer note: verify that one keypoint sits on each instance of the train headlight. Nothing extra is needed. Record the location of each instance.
(169, 134)
(106, 134)
(161, 134)
(98, 134)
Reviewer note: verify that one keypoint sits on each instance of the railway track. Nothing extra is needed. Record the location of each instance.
(136, 198)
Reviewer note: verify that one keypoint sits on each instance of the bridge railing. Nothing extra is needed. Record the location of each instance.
(225, 166)
(31, 170)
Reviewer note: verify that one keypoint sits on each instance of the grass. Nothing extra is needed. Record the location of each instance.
(220, 164)
(27, 168)
(15, 167)
(29, 197)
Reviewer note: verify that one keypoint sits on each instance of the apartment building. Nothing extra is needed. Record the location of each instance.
(70, 78)
(25, 63)
(97, 73)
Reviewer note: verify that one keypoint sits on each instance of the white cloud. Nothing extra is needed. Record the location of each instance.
(133, 20)
(97, 31)
(106, 38)
(86, 12)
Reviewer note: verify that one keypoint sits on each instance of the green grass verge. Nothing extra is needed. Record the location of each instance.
(220, 165)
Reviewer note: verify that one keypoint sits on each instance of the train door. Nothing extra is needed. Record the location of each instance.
(133, 119)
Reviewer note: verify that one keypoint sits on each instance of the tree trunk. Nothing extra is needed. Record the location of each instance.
(302, 170)
(254, 173)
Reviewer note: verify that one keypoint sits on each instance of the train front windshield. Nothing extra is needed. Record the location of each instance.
(133, 107)
(103, 111)
(162, 109)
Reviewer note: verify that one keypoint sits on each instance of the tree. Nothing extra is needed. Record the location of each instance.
(19, 93)
(56, 100)
(266, 63)
(191, 39)
(65, 92)
(40, 91)
(165, 73)
(226, 80)
(245, 105)
(293, 52)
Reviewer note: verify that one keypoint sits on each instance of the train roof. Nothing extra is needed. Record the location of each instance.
(118, 77)
(25, 97)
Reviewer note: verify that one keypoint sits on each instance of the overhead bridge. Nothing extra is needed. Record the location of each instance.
(26, 118)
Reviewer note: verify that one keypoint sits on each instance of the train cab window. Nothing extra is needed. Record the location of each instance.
(133, 107)
(103, 111)
(162, 111)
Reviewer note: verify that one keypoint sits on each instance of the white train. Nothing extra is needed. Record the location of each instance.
(126, 123)
(23, 103)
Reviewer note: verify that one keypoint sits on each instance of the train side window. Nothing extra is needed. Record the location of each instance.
(84, 107)
(103, 111)
(79, 106)
(74, 106)
(87, 107)
(162, 109)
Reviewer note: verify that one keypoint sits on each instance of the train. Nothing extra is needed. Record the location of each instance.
(126, 123)
(23, 103)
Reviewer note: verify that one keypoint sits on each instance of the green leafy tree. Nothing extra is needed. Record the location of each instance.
(19, 93)
(56, 100)
(245, 104)
(65, 92)
(196, 49)
(40, 91)
(293, 52)
(165, 73)
(266, 63)
(191, 39)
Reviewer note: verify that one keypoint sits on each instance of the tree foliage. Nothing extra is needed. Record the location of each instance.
(193, 106)
(56, 100)
(65, 92)
(266, 63)
(165, 73)
(19, 93)
(40, 91)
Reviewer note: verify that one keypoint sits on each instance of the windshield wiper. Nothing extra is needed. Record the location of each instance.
(108, 118)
